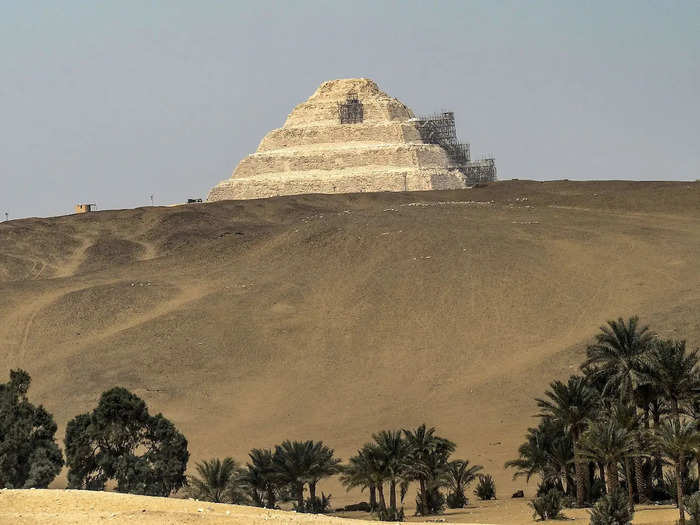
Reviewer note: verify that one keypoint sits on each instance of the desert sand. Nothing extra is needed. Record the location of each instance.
(68, 507)
(334, 316)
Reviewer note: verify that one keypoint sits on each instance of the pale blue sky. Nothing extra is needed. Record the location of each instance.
(109, 102)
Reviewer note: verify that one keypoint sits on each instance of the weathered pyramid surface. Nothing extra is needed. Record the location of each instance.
(349, 136)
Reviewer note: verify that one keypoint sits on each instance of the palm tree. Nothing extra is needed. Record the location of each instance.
(620, 356)
(218, 481)
(460, 475)
(547, 452)
(673, 371)
(323, 465)
(259, 477)
(363, 471)
(293, 463)
(675, 440)
(393, 455)
(571, 405)
(626, 417)
(608, 442)
(428, 462)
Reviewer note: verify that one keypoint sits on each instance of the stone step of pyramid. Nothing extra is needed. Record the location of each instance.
(347, 156)
(375, 132)
(347, 180)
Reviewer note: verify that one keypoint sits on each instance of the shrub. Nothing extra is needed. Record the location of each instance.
(362, 506)
(318, 505)
(435, 503)
(690, 485)
(568, 501)
(486, 488)
(545, 486)
(390, 515)
(547, 506)
(29, 455)
(612, 509)
(597, 490)
(692, 505)
(456, 500)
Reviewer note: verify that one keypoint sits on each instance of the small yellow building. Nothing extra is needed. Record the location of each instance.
(84, 208)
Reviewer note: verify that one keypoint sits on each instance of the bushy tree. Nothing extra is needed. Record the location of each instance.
(29, 455)
(120, 440)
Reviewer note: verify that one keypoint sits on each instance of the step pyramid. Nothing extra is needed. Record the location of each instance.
(350, 137)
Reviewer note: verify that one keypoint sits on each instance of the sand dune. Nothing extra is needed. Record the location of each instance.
(330, 317)
(68, 507)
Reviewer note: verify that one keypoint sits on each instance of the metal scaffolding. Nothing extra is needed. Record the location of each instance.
(351, 111)
(440, 129)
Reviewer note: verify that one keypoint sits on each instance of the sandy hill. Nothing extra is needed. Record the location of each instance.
(333, 316)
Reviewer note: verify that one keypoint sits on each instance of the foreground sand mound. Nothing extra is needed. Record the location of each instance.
(69, 507)
(334, 316)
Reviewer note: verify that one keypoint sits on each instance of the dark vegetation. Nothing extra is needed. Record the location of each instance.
(121, 441)
(606, 436)
(29, 455)
(384, 467)
(548, 506)
(624, 430)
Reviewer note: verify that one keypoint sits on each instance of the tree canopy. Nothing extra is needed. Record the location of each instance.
(119, 440)
(29, 455)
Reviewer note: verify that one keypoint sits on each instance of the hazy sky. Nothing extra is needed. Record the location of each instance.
(109, 102)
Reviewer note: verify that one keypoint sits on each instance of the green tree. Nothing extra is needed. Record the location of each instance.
(29, 455)
(673, 371)
(547, 452)
(293, 463)
(427, 462)
(609, 443)
(393, 453)
(323, 465)
(219, 481)
(571, 404)
(620, 355)
(364, 471)
(459, 476)
(260, 478)
(676, 440)
(120, 440)
(626, 417)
